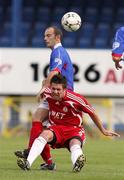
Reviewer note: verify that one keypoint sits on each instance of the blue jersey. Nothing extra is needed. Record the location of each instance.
(61, 62)
(118, 44)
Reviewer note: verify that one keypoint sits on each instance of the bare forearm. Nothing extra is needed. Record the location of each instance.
(98, 123)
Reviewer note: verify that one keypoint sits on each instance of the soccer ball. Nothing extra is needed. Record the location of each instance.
(71, 21)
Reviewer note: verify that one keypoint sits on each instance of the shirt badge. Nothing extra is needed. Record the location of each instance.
(65, 109)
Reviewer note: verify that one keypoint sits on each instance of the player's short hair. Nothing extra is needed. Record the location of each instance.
(57, 31)
(59, 79)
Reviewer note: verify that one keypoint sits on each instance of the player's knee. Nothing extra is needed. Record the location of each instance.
(47, 135)
(74, 142)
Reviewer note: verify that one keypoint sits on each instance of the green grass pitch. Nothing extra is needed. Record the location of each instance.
(105, 161)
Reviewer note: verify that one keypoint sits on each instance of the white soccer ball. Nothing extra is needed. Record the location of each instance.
(71, 21)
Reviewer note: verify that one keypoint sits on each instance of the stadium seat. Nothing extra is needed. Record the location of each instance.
(69, 42)
(43, 14)
(23, 41)
(100, 43)
(84, 42)
(108, 3)
(58, 13)
(76, 3)
(29, 3)
(5, 41)
(92, 3)
(120, 15)
(47, 3)
(106, 15)
(28, 14)
(38, 42)
(40, 28)
(7, 29)
(1, 15)
(103, 30)
(63, 3)
(87, 30)
(75, 9)
(91, 15)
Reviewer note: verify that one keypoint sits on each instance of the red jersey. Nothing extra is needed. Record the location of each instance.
(69, 111)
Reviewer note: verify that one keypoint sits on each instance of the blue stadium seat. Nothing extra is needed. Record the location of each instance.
(58, 13)
(91, 15)
(106, 15)
(25, 28)
(5, 41)
(100, 43)
(55, 23)
(103, 30)
(63, 3)
(28, 14)
(69, 42)
(70, 34)
(23, 42)
(84, 42)
(1, 15)
(7, 29)
(77, 3)
(43, 14)
(75, 9)
(108, 3)
(8, 13)
(37, 42)
(120, 15)
(92, 3)
(29, 3)
(87, 30)
(40, 28)
(47, 3)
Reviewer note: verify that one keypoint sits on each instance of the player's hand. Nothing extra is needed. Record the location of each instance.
(110, 133)
(40, 94)
(117, 65)
(117, 60)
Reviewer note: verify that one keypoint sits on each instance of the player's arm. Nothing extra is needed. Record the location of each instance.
(118, 47)
(98, 122)
(117, 58)
(46, 83)
(87, 108)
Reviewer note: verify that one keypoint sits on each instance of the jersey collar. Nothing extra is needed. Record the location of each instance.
(57, 45)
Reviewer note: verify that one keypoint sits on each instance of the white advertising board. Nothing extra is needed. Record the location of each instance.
(22, 71)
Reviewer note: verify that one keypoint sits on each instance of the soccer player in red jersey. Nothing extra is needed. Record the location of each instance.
(66, 109)
(60, 62)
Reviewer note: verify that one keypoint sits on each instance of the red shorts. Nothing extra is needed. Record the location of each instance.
(64, 133)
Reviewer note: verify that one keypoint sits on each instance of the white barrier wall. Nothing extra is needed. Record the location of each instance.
(22, 70)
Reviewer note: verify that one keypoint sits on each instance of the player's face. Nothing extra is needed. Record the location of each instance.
(57, 91)
(50, 38)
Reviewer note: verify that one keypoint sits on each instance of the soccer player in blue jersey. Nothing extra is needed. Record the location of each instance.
(118, 47)
(60, 62)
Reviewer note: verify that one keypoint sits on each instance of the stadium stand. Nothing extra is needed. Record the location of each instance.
(100, 19)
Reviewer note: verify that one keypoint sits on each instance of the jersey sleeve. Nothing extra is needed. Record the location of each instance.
(85, 106)
(118, 43)
(56, 61)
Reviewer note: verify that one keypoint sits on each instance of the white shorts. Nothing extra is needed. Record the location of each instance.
(43, 104)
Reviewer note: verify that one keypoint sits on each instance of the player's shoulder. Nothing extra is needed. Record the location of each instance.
(121, 30)
(75, 96)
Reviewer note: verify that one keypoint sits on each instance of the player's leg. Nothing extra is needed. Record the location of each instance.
(77, 156)
(39, 116)
(36, 149)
